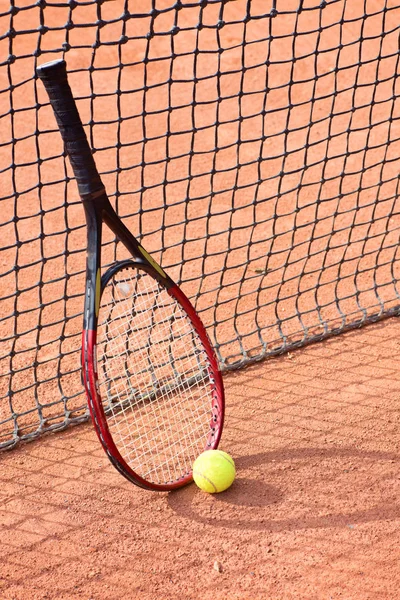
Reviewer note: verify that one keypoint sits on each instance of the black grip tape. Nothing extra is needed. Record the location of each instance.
(54, 77)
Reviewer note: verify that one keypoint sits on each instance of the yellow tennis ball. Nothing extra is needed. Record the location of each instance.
(214, 471)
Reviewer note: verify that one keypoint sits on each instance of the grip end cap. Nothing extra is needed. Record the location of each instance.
(55, 69)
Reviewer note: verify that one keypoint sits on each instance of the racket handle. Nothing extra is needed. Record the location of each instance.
(54, 77)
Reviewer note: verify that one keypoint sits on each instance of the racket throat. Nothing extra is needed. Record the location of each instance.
(93, 268)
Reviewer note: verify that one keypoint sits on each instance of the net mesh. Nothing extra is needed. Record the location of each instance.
(251, 145)
(154, 379)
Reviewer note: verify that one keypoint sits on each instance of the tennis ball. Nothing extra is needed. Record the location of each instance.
(214, 471)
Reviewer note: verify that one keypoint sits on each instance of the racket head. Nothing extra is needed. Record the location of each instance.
(154, 389)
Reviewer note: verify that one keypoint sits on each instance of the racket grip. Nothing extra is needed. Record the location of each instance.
(54, 77)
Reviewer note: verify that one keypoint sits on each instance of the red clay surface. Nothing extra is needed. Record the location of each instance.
(313, 514)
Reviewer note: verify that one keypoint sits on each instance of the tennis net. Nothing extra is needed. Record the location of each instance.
(252, 145)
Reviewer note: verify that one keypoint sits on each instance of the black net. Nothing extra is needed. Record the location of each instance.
(252, 145)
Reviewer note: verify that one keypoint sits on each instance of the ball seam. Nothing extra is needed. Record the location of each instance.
(206, 478)
(228, 460)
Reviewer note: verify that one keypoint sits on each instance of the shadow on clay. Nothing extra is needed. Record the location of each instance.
(253, 504)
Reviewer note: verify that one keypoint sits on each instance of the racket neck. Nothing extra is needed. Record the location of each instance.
(98, 209)
(93, 261)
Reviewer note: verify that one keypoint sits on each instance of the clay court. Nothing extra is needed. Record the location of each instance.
(313, 513)
(253, 149)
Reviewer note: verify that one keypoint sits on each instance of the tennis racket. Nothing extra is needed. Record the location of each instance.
(154, 390)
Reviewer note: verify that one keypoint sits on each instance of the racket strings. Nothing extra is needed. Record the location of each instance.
(154, 378)
(118, 325)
